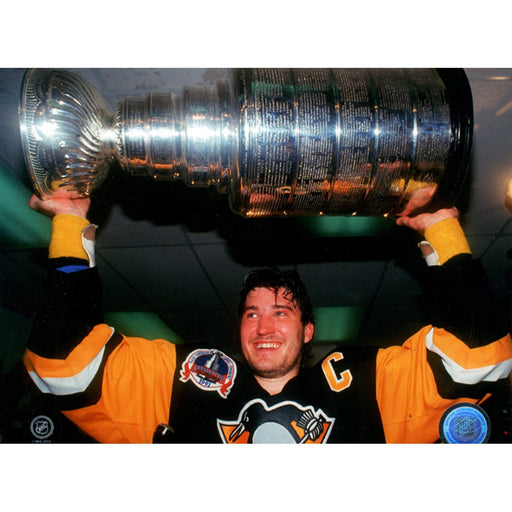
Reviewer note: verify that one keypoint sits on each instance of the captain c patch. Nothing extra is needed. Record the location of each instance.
(209, 370)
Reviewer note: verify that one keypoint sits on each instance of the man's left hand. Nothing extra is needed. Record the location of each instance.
(423, 221)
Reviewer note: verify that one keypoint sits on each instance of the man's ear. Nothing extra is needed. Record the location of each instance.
(309, 330)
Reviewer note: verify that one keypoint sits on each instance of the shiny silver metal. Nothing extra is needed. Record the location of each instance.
(277, 141)
(64, 132)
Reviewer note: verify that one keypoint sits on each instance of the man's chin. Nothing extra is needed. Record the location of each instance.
(267, 373)
(272, 372)
(265, 369)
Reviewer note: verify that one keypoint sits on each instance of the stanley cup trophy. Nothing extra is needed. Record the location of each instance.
(275, 141)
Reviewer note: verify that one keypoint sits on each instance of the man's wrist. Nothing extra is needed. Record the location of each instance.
(448, 239)
(66, 238)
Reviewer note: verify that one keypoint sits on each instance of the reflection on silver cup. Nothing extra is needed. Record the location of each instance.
(276, 141)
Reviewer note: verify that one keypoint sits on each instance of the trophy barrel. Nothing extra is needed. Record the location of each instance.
(351, 141)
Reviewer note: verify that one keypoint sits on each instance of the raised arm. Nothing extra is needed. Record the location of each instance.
(464, 352)
(92, 371)
(459, 294)
(71, 304)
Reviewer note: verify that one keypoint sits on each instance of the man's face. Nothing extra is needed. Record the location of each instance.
(272, 334)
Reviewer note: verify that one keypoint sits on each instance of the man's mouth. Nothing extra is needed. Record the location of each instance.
(266, 344)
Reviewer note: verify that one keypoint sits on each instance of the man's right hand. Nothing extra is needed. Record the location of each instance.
(51, 207)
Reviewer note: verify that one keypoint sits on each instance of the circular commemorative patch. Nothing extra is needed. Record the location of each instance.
(464, 423)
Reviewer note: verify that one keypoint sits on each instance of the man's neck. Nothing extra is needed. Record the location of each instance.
(275, 385)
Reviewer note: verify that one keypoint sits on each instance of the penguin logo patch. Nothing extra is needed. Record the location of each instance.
(210, 370)
(286, 422)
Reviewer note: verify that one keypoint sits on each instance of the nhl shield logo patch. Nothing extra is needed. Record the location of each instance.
(464, 423)
(209, 370)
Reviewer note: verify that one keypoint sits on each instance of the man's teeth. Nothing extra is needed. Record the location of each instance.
(267, 345)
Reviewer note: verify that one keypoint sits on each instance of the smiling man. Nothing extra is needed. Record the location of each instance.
(273, 332)
(122, 389)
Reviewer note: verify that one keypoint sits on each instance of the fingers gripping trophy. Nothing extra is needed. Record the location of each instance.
(277, 142)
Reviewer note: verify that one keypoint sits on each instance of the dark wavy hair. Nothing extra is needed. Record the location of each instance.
(275, 279)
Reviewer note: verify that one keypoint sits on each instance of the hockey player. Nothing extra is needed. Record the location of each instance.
(122, 389)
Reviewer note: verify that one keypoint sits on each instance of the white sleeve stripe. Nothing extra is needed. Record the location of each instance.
(77, 383)
(461, 375)
(69, 385)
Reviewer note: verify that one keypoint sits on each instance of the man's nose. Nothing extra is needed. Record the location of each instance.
(266, 324)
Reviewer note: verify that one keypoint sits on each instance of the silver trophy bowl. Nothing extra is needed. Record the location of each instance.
(66, 133)
(276, 141)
